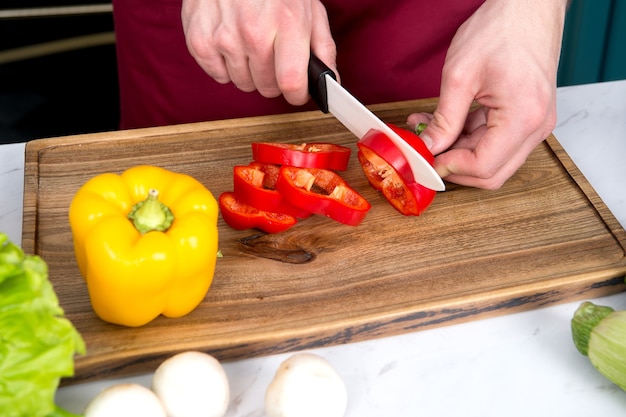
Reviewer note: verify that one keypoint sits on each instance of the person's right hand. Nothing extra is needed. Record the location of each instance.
(259, 45)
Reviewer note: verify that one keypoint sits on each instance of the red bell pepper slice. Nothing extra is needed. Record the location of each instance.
(255, 185)
(388, 171)
(378, 142)
(241, 216)
(306, 155)
(322, 191)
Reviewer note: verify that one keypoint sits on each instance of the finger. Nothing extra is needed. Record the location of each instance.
(209, 58)
(235, 46)
(322, 42)
(498, 179)
(291, 62)
(239, 72)
(486, 160)
(291, 69)
(414, 119)
(471, 139)
(215, 67)
(475, 128)
(475, 120)
(482, 160)
(292, 47)
(263, 73)
(451, 112)
(257, 41)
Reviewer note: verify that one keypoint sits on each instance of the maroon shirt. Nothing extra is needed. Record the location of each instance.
(386, 51)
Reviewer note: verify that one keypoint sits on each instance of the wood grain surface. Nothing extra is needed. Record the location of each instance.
(543, 238)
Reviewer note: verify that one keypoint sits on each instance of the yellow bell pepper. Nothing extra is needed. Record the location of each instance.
(145, 242)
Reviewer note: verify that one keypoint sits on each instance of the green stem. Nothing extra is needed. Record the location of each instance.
(151, 214)
(419, 128)
(586, 317)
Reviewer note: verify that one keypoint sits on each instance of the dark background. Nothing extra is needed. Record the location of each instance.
(77, 92)
(62, 93)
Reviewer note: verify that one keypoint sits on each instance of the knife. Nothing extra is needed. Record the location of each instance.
(331, 97)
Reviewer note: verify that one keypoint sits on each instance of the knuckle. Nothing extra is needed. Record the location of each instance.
(540, 111)
(486, 168)
(255, 36)
(197, 46)
(440, 122)
(486, 172)
(493, 184)
(211, 53)
(224, 42)
(198, 42)
(455, 76)
(293, 86)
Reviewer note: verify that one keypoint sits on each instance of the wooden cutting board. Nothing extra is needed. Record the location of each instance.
(543, 238)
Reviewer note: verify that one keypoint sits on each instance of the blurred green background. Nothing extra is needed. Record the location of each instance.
(594, 42)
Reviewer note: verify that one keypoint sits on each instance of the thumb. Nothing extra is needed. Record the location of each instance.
(448, 119)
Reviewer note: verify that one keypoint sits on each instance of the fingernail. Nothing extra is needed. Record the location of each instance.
(427, 140)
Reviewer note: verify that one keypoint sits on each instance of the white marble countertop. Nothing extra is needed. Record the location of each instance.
(515, 365)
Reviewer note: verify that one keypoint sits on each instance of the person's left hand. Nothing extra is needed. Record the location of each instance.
(505, 58)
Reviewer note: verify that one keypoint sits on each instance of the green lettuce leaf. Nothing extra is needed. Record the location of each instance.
(37, 343)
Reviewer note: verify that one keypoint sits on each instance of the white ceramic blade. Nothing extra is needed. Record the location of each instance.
(359, 120)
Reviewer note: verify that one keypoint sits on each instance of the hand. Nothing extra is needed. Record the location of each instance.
(505, 58)
(259, 45)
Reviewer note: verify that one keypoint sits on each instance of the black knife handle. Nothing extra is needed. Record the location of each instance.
(317, 81)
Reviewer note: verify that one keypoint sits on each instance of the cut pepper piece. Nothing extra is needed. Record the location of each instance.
(242, 216)
(255, 185)
(378, 142)
(322, 191)
(306, 155)
(389, 172)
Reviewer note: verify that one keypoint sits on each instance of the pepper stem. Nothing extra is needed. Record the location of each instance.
(419, 128)
(586, 317)
(150, 214)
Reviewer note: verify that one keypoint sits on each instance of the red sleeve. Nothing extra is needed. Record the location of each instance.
(387, 51)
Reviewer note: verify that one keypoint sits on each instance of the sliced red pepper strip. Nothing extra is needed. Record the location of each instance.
(306, 155)
(255, 185)
(388, 171)
(322, 191)
(242, 216)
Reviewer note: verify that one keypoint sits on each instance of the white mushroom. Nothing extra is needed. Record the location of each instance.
(306, 385)
(125, 400)
(192, 384)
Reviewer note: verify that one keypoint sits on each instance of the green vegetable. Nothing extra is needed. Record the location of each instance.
(37, 344)
(599, 332)
(419, 128)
